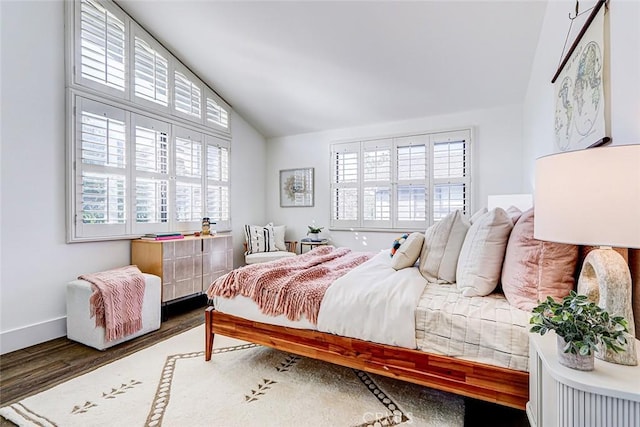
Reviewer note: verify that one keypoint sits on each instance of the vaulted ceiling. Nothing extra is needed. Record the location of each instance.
(298, 67)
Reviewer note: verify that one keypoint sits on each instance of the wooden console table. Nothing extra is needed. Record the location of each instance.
(608, 396)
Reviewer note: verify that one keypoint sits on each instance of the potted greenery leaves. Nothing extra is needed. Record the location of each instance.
(581, 326)
(314, 232)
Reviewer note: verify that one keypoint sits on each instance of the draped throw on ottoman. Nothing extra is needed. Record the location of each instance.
(116, 301)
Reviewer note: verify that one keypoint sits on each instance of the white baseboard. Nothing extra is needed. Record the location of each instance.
(17, 339)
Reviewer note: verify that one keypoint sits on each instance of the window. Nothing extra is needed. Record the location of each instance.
(102, 45)
(151, 73)
(187, 95)
(405, 183)
(149, 143)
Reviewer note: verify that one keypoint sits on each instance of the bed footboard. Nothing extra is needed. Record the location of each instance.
(480, 381)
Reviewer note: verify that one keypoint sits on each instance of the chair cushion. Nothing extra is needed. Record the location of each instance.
(266, 256)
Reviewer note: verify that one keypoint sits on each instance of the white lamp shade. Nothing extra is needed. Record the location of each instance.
(589, 197)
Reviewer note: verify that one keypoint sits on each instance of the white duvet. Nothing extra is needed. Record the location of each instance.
(374, 302)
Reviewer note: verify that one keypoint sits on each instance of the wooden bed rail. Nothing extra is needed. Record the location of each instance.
(480, 381)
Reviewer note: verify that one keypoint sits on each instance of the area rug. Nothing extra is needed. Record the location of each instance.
(170, 384)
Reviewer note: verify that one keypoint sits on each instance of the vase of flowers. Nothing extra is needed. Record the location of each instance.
(581, 326)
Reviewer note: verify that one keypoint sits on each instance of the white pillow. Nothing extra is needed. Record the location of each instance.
(408, 253)
(259, 238)
(278, 233)
(441, 248)
(482, 253)
(476, 216)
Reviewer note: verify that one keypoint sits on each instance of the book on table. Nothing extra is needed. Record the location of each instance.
(163, 236)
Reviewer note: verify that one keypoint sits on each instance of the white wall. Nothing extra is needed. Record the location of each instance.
(497, 154)
(36, 262)
(248, 187)
(538, 117)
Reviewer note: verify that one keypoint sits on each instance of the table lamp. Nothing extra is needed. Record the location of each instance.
(592, 197)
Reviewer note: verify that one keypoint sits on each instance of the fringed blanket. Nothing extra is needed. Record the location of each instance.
(116, 301)
(292, 286)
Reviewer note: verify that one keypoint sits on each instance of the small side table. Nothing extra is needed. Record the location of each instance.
(312, 244)
(608, 396)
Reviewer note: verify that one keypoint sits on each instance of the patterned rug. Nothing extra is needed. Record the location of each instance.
(170, 384)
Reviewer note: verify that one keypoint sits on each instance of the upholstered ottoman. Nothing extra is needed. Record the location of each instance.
(82, 328)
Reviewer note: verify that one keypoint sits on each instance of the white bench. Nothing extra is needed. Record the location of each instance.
(82, 328)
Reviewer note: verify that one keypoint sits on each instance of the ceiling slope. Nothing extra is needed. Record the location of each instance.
(299, 67)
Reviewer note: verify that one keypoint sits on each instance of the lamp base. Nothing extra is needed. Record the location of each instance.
(606, 280)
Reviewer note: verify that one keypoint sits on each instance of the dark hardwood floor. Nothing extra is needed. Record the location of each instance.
(40, 367)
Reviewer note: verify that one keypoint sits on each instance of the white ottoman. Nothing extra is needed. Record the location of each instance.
(82, 328)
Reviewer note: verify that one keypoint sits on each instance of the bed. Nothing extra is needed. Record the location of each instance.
(475, 346)
(488, 361)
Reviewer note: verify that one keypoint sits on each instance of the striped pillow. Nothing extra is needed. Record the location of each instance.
(260, 238)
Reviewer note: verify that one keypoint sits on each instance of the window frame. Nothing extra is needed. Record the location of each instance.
(81, 91)
(429, 139)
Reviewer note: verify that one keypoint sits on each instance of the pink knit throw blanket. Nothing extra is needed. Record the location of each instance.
(116, 301)
(292, 286)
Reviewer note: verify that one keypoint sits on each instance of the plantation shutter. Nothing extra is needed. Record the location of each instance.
(151, 175)
(216, 114)
(101, 170)
(345, 197)
(101, 52)
(451, 177)
(217, 179)
(151, 73)
(188, 178)
(187, 96)
(376, 183)
(412, 181)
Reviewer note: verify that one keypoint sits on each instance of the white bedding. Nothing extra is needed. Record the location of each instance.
(374, 302)
(246, 308)
(481, 329)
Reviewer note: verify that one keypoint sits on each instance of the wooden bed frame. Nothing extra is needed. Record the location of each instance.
(490, 383)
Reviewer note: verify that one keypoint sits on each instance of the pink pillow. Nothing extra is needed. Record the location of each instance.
(535, 268)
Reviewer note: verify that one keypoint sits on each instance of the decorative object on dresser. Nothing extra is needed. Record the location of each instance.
(580, 326)
(592, 197)
(186, 266)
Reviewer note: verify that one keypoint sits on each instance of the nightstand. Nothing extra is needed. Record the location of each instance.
(608, 396)
(312, 244)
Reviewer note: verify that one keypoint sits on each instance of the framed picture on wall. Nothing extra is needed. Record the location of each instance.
(296, 187)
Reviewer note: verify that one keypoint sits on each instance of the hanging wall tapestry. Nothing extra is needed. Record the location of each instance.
(580, 88)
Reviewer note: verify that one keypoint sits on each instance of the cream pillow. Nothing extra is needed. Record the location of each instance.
(534, 269)
(514, 213)
(476, 216)
(482, 253)
(442, 243)
(278, 237)
(408, 253)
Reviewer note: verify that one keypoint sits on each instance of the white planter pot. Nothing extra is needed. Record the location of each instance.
(573, 361)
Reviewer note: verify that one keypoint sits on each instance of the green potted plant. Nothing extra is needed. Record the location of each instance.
(581, 327)
(314, 232)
